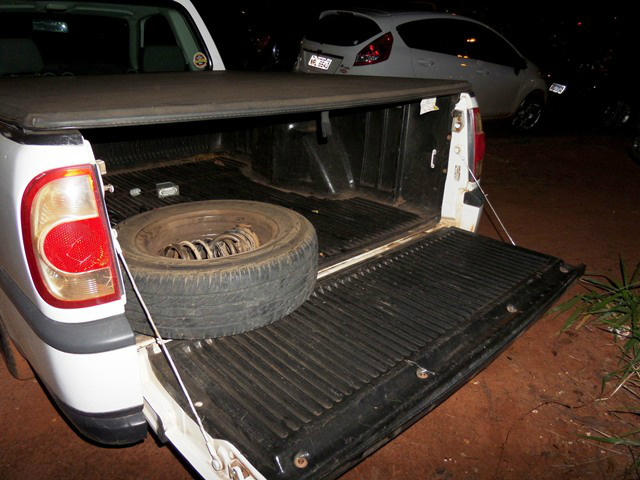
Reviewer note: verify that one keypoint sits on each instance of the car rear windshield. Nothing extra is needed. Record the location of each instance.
(342, 29)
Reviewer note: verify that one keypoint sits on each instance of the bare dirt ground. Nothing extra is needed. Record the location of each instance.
(576, 197)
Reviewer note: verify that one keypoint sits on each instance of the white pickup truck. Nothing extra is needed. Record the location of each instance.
(303, 244)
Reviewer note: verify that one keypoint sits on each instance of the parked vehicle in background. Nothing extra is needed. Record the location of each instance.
(587, 66)
(635, 144)
(428, 45)
(259, 37)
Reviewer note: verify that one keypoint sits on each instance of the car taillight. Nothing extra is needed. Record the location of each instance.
(478, 141)
(376, 52)
(66, 239)
(261, 41)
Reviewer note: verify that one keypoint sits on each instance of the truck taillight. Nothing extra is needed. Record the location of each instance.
(477, 140)
(66, 239)
(376, 52)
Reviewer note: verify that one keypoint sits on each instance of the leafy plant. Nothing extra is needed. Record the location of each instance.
(613, 304)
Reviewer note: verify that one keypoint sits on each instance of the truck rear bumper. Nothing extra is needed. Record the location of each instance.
(89, 368)
(376, 347)
(123, 427)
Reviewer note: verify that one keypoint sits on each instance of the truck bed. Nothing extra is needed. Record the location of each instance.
(375, 348)
(343, 225)
(377, 345)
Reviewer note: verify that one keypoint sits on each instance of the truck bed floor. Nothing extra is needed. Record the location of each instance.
(342, 225)
(375, 347)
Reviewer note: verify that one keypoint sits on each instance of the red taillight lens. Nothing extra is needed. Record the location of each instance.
(478, 142)
(261, 41)
(376, 52)
(66, 239)
(77, 247)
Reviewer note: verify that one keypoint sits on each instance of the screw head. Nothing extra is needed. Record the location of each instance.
(301, 460)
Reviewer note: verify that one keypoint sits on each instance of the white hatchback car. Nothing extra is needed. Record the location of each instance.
(428, 45)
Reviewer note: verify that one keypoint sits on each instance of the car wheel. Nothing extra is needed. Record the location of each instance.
(16, 363)
(529, 113)
(616, 114)
(635, 149)
(216, 268)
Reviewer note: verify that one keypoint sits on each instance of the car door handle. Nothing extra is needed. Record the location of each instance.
(482, 71)
(426, 63)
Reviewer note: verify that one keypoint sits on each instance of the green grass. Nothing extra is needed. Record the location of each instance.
(614, 305)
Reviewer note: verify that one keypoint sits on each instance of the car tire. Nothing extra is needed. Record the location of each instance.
(635, 149)
(529, 113)
(220, 296)
(16, 363)
(616, 114)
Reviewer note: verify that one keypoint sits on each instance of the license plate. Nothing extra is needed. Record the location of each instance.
(319, 62)
(557, 88)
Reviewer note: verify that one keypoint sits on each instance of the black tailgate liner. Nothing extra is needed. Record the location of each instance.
(337, 378)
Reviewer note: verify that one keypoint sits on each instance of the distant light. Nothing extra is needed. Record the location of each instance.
(471, 40)
(463, 64)
(579, 24)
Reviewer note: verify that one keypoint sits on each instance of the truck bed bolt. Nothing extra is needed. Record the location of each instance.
(301, 460)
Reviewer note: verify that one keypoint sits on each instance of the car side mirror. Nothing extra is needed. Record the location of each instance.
(519, 64)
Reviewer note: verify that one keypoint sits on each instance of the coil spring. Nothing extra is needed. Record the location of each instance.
(239, 239)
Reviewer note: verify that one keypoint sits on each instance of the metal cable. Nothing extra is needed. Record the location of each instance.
(215, 461)
(486, 197)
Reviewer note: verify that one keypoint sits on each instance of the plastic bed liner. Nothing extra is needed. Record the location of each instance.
(342, 225)
(376, 347)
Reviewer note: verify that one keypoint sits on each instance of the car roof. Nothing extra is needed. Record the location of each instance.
(387, 13)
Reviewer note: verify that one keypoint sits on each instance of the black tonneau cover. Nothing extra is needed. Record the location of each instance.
(50, 103)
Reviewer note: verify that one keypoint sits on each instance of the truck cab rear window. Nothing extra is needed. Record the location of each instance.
(73, 44)
(76, 38)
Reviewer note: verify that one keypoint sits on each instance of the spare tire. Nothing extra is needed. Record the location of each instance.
(216, 297)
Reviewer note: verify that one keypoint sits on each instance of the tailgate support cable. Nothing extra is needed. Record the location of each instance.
(215, 461)
(486, 197)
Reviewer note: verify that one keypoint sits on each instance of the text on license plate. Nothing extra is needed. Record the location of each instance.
(319, 62)
(557, 88)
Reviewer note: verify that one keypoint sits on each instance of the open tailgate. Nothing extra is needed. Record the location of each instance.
(376, 347)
